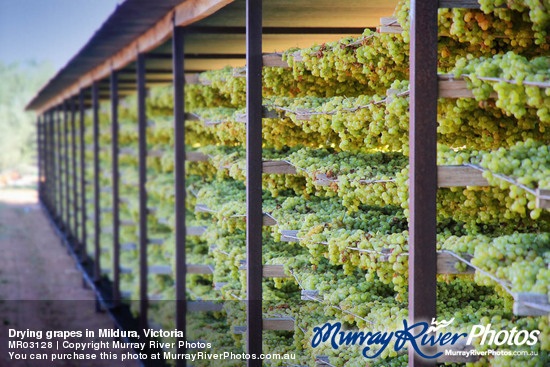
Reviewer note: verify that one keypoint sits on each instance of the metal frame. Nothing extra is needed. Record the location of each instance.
(254, 213)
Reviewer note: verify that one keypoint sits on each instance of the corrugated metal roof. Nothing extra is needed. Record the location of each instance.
(129, 20)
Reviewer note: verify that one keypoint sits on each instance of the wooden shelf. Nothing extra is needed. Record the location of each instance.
(274, 60)
(305, 294)
(199, 269)
(266, 114)
(271, 323)
(128, 246)
(289, 235)
(271, 271)
(278, 167)
(525, 304)
(543, 198)
(155, 241)
(196, 157)
(462, 4)
(196, 231)
(160, 269)
(389, 25)
(204, 306)
(459, 176)
(268, 219)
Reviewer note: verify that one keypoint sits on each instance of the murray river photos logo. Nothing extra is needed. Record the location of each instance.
(418, 335)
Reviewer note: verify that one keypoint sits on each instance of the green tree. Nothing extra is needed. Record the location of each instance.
(19, 82)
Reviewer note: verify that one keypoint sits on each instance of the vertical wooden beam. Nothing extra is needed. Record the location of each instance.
(423, 169)
(39, 155)
(67, 212)
(59, 172)
(142, 152)
(49, 170)
(179, 181)
(97, 209)
(83, 212)
(254, 214)
(74, 194)
(115, 183)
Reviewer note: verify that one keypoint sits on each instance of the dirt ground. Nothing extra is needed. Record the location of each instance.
(40, 286)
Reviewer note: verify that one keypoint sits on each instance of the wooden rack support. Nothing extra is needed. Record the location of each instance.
(389, 25)
(271, 323)
(128, 246)
(199, 269)
(204, 306)
(160, 269)
(543, 198)
(525, 304)
(196, 231)
(271, 271)
(306, 294)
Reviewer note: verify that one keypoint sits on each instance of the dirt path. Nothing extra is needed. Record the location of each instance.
(40, 287)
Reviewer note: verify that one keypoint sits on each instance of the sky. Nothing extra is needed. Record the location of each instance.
(49, 30)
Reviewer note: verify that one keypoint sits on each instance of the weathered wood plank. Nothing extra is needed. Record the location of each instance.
(289, 235)
(446, 264)
(199, 269)
(204, 306)
(160, 269)
(278, 323)
(522, 309)
(459, 176)
(278, 167)
(543, 198)
(196, 231)
(274, 60)
(196, 157)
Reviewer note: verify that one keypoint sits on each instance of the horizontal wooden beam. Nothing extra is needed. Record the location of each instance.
(199, 269)
(531, 304)
(204, 306)
(196, 231)
(159, 269)
(389, 25)
(460, 176)
(271, 323)
(268, 219)
(128, 246)
(278, 323)
(277, 30)
(461, 4)
(543, 198)
(196, 157)
(278, 167)
(271, 271)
